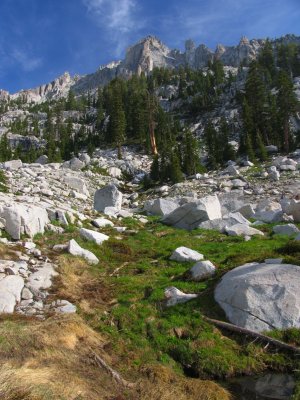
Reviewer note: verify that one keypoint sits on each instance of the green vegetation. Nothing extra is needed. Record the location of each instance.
(3, 182)
(123, 299)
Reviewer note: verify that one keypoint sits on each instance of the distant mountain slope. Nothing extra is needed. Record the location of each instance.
(145, 55)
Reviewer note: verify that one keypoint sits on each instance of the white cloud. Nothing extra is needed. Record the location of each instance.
(28, 63)
(116, 15)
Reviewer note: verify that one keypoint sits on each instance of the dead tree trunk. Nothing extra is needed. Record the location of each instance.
(247, 332)
(152, 124)
(114, 374)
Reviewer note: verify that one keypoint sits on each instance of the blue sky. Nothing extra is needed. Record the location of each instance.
(41, 39)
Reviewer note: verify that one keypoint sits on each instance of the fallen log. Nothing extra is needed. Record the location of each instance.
(247, 332)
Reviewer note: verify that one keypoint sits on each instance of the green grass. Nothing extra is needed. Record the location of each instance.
(135, 271)
(3, 182)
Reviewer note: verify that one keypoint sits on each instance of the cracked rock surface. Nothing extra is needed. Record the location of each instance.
(261, 297)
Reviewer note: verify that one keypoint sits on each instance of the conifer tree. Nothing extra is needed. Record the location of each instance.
(262, 152)
(191, 153)
(286, 102)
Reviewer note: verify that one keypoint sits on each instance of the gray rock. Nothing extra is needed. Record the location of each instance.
(13, 165)
(238, 183)
(261, 296)
(190, 215)
(75, 164)
(43, 160)
(85, 158)
(94, 236)
(202, 270)
(24, 219)
(114, 172)
(247, 211)
(160, 207)
(294, 210)
(221, 224)
(10, 292)
(26, 294)
(76, 250)
(175, 296)
(76, 183)
(231, 170)
(42, 278)
(242, 230)
(109, 196)
(184, 254)
(231, 202)
(288, 229)
(64, 307)
(271, 148)
(102, 222)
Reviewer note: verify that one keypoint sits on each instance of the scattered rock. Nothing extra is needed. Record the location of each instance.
(184, 254)
(76, 250)
(175, 296)
(94, 236)
(202, 270)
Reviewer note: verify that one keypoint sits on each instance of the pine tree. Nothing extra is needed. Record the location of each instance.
(286, 102)
(175, 172)
(117, 119)
(155, 169)
(249, 149)
(262, 152)
(191, 153)
(210, 138)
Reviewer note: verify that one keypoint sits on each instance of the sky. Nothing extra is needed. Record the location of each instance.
(41, 39)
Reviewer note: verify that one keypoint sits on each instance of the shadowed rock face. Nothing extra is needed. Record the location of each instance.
(261, 297)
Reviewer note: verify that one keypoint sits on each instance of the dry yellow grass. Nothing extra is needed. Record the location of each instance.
(51, 360)
(163, 384)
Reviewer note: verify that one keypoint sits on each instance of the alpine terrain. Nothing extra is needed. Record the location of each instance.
(150, 227)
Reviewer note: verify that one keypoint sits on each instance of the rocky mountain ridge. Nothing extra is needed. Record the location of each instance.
(144, 56)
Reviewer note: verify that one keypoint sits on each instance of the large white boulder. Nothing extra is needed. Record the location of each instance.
(76, 250)
(184, 254)
(94, 236)
(261, 296)
(10, 292)
(24, 219)
(160, 206)
(108, 196)
(190, 215)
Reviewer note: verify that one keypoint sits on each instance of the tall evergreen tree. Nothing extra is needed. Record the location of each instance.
(286, 102)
